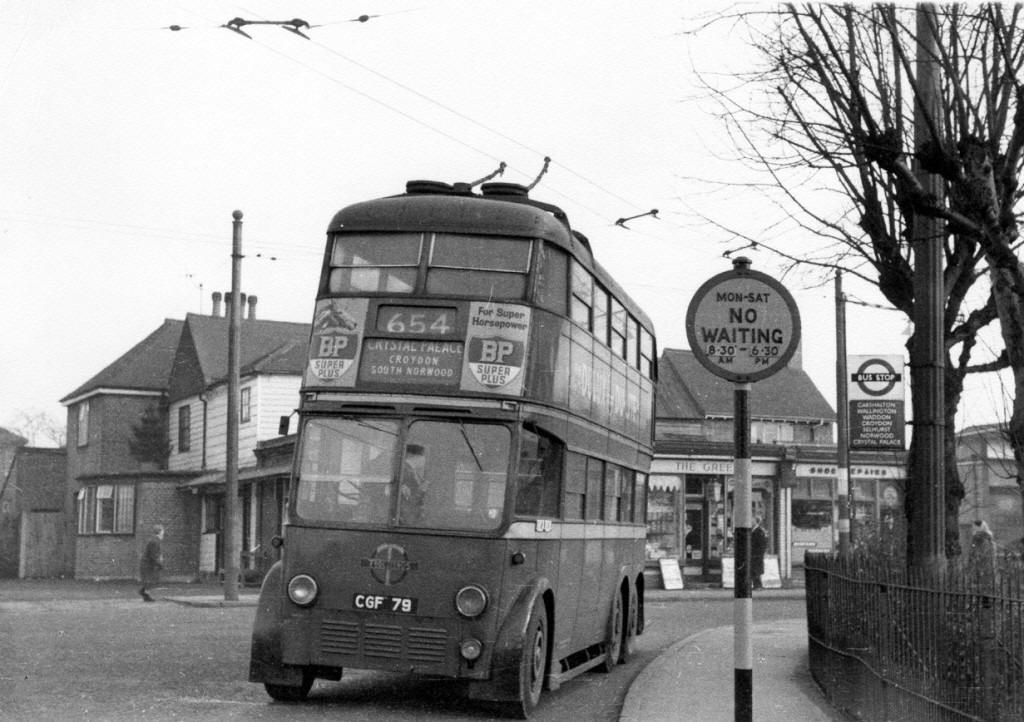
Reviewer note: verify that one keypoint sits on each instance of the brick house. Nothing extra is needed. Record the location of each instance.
(112, 497)
(178, 375)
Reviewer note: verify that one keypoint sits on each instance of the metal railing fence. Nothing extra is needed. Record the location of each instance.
(888, 643)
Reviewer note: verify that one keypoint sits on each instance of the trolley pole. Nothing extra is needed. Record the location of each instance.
(232, 527)
(743, 605)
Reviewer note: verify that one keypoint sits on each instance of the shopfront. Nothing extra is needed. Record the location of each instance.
(690, 511)
(875, 501)
(690, 508)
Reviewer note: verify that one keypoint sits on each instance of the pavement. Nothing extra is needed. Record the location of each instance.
(691, 679)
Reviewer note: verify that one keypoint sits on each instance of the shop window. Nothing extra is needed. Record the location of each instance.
(106, 509)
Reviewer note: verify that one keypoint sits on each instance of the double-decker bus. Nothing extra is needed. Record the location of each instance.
(475, 434)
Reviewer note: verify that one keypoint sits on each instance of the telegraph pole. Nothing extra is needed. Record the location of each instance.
(842, 422)
(232, 526)
(927, 507)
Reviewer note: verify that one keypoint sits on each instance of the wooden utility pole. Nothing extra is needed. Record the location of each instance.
(926, 513)
(232, 525)
(842, 422)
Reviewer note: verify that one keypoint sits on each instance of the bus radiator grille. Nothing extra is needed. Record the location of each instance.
(421, 645)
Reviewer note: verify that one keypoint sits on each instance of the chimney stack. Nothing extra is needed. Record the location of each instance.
(216, 304)
(252, 308)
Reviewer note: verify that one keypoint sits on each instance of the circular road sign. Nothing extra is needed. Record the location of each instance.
(743, 325)
(876, 377)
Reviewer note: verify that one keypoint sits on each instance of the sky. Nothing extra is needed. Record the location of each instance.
(125, 146)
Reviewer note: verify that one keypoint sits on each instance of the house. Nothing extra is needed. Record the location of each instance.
(115, 492)
(793, 468)
(272, 355)
(988, 472)
(32, 514)
(148, 443)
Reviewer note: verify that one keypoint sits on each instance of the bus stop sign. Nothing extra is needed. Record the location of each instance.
(743, 325)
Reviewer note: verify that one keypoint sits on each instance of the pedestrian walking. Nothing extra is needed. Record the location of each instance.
(758, 547)
(152, 563)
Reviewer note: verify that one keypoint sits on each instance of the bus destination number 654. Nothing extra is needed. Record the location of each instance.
(417, 320)
(384, 603)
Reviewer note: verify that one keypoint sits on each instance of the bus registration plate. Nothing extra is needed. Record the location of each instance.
(384, 603)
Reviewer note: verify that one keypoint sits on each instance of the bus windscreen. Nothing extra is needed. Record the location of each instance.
(432, 475)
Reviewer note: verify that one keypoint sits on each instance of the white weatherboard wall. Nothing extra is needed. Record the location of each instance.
(271, 397)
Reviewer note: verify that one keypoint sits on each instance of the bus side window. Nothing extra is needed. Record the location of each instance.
(595, 488)
(552, 279)
(613, 487)
(575, 486)
(640, 499)
(628, 490)
(540, 467)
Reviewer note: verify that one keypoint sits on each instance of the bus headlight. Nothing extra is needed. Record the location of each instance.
(471, 601)
(470, 649)
(302, 590)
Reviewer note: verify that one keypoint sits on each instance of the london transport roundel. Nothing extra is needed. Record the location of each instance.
(743, 325)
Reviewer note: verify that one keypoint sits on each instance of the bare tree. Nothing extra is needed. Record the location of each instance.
(843, 94)
(39, 428)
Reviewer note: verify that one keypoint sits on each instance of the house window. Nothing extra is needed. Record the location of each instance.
(83, 423)
(106, 509)
(184, 428)
(245, 402)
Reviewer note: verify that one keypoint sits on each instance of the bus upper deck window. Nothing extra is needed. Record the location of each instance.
(479, 266)
(377, 263)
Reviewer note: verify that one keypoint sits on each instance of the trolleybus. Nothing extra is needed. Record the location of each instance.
(475, 433)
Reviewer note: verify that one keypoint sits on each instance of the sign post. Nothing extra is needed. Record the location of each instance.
(742, 326)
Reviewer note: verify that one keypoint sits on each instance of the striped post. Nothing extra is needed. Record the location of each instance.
(743, 609)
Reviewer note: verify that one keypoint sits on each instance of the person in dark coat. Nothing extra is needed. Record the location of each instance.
(758, 547)
(152, 563)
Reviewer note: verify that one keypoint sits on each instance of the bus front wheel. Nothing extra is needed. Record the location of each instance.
(291, 693)
(532, 662)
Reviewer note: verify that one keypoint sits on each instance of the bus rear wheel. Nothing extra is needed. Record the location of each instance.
(632, 627)
(613, 641)
(532, 663)
(291, 693)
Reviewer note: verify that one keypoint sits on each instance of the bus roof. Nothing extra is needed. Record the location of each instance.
(502, 209)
